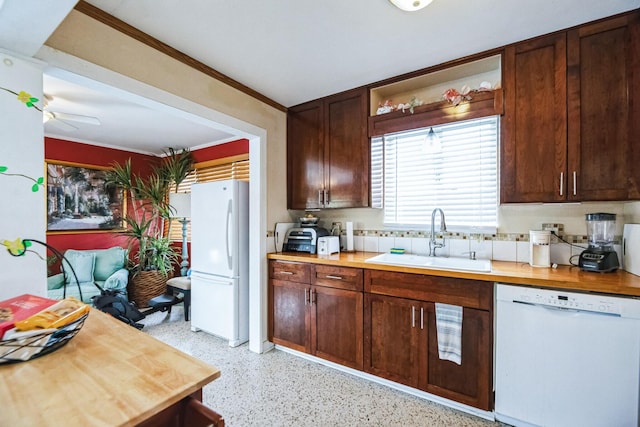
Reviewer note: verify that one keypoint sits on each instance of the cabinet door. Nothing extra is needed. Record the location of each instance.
(290, 319)
(603, 164)
(534, 130)
(346, 150)
(471, 381)
(305, 156)
(393, 338)
(336, 319)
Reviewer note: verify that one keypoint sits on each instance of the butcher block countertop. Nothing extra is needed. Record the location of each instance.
(563, 277)
(109, 374)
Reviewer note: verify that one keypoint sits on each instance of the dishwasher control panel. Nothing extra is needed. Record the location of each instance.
(563, 300)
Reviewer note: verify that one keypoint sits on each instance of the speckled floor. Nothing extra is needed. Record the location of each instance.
(280, 389)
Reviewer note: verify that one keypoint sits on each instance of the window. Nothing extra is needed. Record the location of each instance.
(236, 167)
(411, 176)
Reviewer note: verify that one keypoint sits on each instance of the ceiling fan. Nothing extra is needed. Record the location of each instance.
(63, 121)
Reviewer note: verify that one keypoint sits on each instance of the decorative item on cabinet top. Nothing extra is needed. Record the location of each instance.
(452, 95)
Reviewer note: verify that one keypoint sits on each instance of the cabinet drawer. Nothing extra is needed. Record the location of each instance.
(463, 292)
(290, 271)
(337, 277)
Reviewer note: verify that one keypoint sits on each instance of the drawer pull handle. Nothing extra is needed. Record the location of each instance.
(305, 296)
(286, 272)
(329, 276)
(311, 296)
(421, 317)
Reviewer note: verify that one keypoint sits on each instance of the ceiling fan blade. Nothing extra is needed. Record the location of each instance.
(62, 125)
(77, 118)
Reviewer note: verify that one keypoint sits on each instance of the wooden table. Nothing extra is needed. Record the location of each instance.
(110, 374)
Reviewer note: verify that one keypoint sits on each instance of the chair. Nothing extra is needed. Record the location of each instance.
(181, 285)
(196, 414)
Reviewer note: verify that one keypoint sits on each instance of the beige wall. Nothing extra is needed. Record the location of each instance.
(94, 42)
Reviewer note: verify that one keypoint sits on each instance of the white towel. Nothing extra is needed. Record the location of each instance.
(449, 332)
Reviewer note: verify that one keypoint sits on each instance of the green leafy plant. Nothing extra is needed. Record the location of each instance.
(149, 209)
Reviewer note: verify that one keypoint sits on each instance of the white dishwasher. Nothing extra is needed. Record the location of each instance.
(566, 359)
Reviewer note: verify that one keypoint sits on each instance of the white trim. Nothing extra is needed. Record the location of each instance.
(33, 61)
(68, 66)
(487, 415)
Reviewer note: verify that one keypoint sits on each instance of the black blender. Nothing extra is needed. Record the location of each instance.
(600, 256)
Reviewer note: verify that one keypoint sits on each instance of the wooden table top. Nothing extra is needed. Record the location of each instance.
(109, 374)
(563, 277)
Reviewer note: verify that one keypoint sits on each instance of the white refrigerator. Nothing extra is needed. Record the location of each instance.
(220, 259)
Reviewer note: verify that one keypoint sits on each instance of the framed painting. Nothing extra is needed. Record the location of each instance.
(78, 199)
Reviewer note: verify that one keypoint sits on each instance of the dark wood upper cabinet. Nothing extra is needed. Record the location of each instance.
(534, 130)
(603, 80)
(570, 118)
(305, 156)
(328, 152)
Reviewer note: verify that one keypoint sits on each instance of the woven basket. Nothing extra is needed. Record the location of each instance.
(145, 285)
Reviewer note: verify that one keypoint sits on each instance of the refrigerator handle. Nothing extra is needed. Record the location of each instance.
(228, 236)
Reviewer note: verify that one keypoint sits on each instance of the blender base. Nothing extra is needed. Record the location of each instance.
(599, 261)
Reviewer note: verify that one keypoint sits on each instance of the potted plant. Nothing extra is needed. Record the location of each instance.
(152, 257)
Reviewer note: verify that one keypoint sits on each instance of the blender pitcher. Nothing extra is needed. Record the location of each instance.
(600, 256)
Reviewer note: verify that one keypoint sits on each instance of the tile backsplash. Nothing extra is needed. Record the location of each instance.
(499, 247)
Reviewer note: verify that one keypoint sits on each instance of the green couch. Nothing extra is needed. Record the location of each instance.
(106, 267)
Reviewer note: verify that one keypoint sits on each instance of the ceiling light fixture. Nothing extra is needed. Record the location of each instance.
(410, 5)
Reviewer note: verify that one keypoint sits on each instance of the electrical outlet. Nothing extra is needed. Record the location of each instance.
(554, 228)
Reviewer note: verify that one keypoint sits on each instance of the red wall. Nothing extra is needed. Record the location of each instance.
(74, 152)
(229, 149)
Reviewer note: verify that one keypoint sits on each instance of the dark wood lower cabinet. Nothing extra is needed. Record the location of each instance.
(401, 345)
(390, 329)
(322, 321)
(471, 381)
(336, 325)
(291, 320)
(392, 340)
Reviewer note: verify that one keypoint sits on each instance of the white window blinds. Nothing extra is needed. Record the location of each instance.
(458, 174)
(236, 167)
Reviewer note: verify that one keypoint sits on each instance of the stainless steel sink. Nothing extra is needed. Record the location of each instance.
(437, 263)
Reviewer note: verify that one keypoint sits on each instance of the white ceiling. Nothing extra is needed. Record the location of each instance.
(126, 121)
(295, 51)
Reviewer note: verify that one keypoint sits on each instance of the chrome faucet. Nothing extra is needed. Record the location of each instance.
(433, 245)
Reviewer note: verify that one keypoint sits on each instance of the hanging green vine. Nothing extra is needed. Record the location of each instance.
(24, 97)
(28, 100)
(18, 247)
(37, 182)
